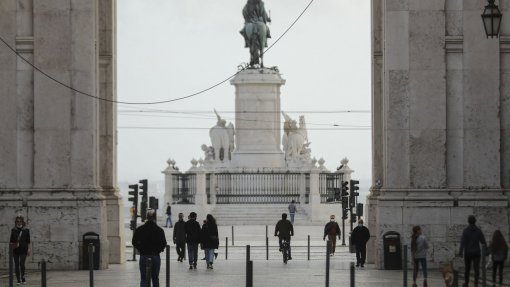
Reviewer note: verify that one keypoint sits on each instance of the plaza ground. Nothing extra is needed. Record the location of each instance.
(231, 272)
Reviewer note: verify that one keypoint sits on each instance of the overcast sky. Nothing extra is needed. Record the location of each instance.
(172, 48)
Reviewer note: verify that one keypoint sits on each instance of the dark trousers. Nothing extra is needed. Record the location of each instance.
(192, 253)
(361, 254)
(280, 241)
(497, 265)
(19, 265)
(417, 262)
(156, 264)
(181, 249)
(333, 243)
(468, 259)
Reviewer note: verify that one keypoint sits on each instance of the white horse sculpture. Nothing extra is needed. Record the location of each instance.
(222, 139)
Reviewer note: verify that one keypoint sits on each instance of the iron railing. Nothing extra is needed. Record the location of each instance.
(328, 182)
(184, 188)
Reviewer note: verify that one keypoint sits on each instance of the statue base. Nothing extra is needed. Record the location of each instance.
(258, 159)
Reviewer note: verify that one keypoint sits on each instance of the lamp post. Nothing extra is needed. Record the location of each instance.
(491, 18)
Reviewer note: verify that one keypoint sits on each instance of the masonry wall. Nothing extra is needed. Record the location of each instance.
(440, 118)
(54, 168)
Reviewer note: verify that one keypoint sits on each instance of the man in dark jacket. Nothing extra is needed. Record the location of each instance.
(332, 230)
(472, 237)
(179, 238)
(284, 230)
(192, 231)
(150, 240)
(359, 237)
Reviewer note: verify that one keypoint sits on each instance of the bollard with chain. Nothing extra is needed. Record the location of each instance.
(247, 265)
(328, 250)
(43, 273)
(226, 248)
(91, 264)
(148, 272)
(249, 279)
(484, 270)
(308, 247)
(405, 265)
(352, 275)
(455, 278)
(11, 266)
(168, 266)
(267, 248)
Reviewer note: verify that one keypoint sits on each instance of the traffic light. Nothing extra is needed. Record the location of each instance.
(143, 203)
(337, 194)
(352, 197)
(344, 213)
(359, 209)
(345, 188)
(345, 203)
(153, 203)
(133, 192)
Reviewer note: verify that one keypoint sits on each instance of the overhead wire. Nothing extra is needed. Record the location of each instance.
(154, 102)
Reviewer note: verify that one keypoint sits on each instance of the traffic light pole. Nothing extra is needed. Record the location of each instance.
(343, 231)
(350, 218)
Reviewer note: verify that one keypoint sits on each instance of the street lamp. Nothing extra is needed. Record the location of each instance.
(491, 19)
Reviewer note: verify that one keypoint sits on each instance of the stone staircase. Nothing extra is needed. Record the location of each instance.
(255, 214)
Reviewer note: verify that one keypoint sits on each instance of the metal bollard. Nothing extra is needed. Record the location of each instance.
(455, 278)
(405, 265)
(91, 264)
(484, 270)
(308, 247)
(249, 278)
(352, 275)
(267, 248)
(43, 273)
(266, 231)
(233, 235)
(247, 265)
(168, 266)
(328, 248)
(148, 272)
(11, 267)
(226, 248)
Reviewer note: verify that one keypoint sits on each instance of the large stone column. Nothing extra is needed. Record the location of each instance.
(257, 128)
(50, 136)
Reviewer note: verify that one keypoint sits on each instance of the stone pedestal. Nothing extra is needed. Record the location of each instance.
(257, 126)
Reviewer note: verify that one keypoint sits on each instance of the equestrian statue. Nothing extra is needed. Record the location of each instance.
(255, 31)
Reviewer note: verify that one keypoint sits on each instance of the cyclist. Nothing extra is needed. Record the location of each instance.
(284, 230)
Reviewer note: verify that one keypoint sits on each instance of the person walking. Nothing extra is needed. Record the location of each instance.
(292, 211)
(168, 215)
(20, 242)
(470, 242)
(210, 239)
(419, 247)
(284, 230)
(192, 231)
(332, 230)
(498, 248)
(149, 239)
(179, 238)
(359, 237)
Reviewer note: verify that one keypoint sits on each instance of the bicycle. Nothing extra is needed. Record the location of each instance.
(285, 250)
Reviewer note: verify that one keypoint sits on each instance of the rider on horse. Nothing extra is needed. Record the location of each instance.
(254, 14)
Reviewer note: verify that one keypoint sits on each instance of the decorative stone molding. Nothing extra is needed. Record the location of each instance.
(25, 44)
(454, 44)
(504, 44)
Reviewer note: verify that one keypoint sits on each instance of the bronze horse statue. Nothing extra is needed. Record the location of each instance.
(255, 31)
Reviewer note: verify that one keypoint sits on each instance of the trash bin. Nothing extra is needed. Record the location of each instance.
(392, 251)
(91, 237)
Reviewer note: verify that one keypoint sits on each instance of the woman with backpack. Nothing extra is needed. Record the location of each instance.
(419, 247)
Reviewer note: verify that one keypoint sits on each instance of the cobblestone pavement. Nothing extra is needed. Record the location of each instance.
(273, 272)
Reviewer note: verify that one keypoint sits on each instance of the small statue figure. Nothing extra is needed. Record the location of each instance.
(222, 138)
(295, 139)
(208, 152)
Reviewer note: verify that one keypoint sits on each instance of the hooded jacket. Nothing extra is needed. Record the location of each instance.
(472, 237)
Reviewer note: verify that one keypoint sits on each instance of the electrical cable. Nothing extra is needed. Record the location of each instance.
(145, 103)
